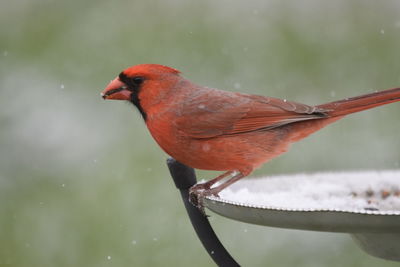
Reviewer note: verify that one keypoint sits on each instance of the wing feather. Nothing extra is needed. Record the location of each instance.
(229, 113)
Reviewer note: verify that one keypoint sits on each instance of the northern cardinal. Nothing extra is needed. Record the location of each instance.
(211, 129)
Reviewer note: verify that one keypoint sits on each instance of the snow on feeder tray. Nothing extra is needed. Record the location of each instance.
(363, 204)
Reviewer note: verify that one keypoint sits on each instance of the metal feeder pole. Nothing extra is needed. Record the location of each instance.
(184, 178)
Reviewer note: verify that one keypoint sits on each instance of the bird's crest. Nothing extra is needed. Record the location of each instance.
(149, 68)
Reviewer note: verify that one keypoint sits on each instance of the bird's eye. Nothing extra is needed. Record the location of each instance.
(137, 80)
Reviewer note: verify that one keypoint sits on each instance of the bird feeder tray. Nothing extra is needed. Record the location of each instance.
(363, 204)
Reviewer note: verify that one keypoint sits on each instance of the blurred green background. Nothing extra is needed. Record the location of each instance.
(82, 183)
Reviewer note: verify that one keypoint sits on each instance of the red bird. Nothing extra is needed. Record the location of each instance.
(210, 129)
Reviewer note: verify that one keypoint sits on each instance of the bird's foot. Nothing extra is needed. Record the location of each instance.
(198, 192)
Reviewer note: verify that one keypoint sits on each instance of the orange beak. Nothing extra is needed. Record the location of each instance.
(116, 90)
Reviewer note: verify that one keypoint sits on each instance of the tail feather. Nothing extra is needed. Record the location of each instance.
(359, 103)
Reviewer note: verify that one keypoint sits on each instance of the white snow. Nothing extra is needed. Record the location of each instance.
(346, 191)
(237, 85)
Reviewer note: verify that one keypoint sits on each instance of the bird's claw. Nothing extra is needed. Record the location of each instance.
(197, 193)
(196, 196)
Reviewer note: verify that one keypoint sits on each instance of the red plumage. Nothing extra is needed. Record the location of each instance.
(212, 129)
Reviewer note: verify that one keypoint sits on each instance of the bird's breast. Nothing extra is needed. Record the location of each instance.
(237, 152)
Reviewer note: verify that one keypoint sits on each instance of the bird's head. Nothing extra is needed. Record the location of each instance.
(143, 85)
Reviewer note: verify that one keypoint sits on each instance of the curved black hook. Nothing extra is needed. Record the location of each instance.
(184, 178)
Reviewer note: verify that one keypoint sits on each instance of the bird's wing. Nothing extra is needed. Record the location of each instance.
(234, 113)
